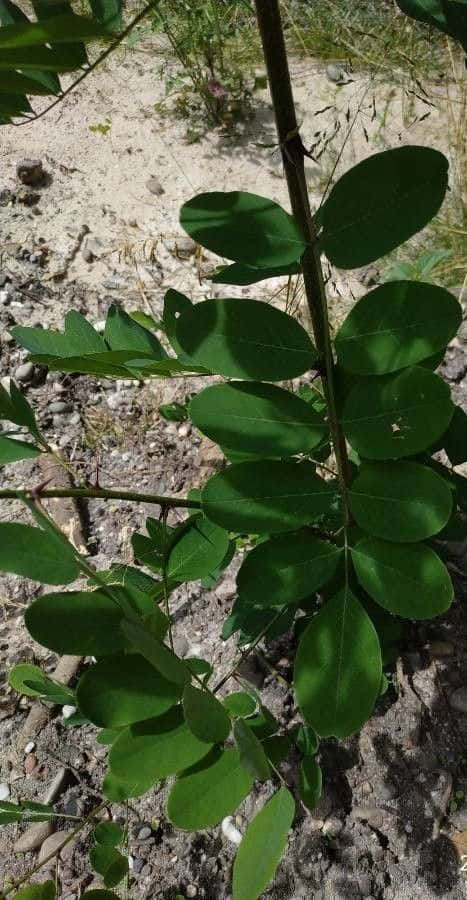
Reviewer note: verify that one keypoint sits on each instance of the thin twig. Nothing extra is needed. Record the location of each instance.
(91, 493)
(16, 884)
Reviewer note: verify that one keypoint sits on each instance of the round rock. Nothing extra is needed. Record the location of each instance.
(4, 791)
(24, 372)
(53, 843)
(59, 407)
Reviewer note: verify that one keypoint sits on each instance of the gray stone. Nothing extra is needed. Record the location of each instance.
(60, 782)
(59, 407)
(24, 372)
(137, 866)
(4, 791)
(87, 255)
(154, 186)
(191, 890)
(181, 247)
(370, 814)
(52, 845)
(144, 833)
(33, 838)
(30, 171)
(181, 645)
(335, 73)
(458, 699)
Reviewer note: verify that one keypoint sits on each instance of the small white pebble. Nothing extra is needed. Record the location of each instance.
(100, 326)
(191, 890)
(29, 747)
(131, 862)
(4, 791)
(68, 711)
(194, 650)
(230, 831)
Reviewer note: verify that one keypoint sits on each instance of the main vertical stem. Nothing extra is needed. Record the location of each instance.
(275, 55)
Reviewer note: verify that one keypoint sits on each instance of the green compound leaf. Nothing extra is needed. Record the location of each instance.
(252, 755)
(32, 553)
(123, 333)
(243, 275)
(155, 651)
(287, 569)
(81, 623)
(257, 418)
(12, 450)
(338, 667)
(397, 415)
(120, 690)
(109, 833)
(396, 325)
(240, 703)
(310, 784)
(266, 496)
(205, 716)
(118, 790)
(455, 438)
(32, 681)
(447, 15)
(58, 29)
(78, 339)
(203, 795)
(255, 619)
(307, 740)
(25, 811)
(154, 749)
(262, 847)
(400, 501)
(15, 408)
(243, 227)
(108, 735)
(107, 12)
(44, 891)
(109, 863)
(409, 581)
(245, 339)
(199, 550)
(380, 203)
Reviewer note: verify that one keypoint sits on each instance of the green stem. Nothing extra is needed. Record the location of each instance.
(90, 493)
(165, 555)
(293, 154)
(16, 884)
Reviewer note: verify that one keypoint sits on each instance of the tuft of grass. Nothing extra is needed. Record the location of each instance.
(375, 35)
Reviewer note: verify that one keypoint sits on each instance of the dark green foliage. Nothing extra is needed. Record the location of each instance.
(208, 791)
(338, 556)
(257, 418)
(262, 846)
(380, 203)
(212, 334)
(243, 227)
